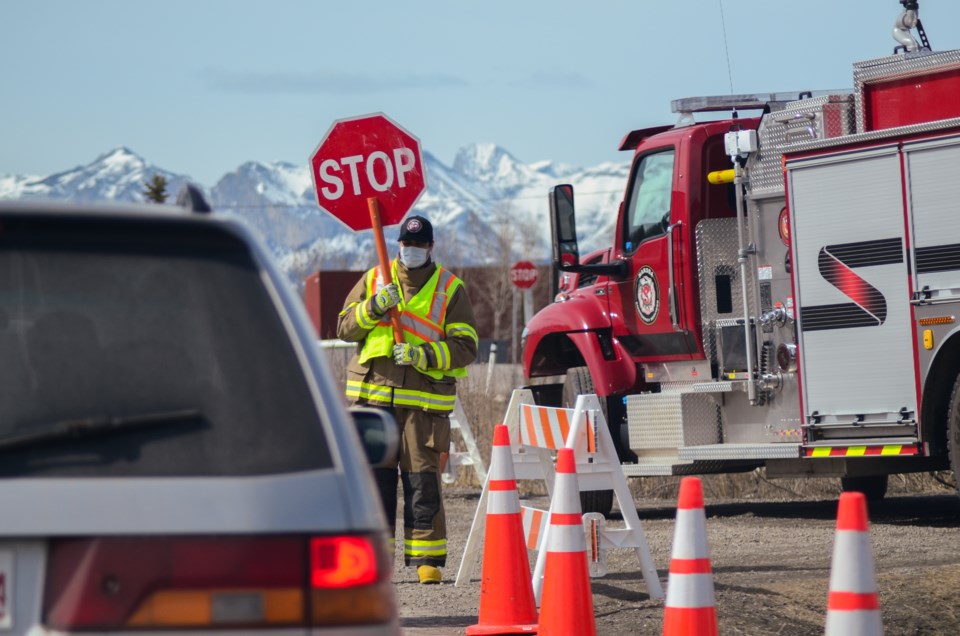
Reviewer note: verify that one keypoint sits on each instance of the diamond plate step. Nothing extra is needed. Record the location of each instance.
(660, 423)
(739, 451)
(649, 468)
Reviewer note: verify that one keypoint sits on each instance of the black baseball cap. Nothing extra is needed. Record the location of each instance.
(416, 228)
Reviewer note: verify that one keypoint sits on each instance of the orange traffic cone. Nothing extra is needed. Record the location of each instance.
(507, 605)
(853, 606)
(690, 606)
(566, 605)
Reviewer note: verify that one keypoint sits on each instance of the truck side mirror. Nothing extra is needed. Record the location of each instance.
(563, 227)
(378, 435)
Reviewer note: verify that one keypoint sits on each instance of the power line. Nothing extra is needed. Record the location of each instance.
(481, 200)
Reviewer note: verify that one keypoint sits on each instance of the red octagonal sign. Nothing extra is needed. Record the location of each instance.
(364, 157)
(523, 274)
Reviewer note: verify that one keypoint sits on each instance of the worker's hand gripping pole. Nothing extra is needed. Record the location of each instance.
(373, 204)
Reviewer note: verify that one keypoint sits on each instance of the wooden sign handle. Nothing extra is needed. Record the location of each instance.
(373, 204)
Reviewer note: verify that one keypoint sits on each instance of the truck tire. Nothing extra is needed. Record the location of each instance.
(953, 431)
(579, 382)
(873, 487)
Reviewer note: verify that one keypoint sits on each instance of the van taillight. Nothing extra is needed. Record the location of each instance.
(342, 562)
(217, 582)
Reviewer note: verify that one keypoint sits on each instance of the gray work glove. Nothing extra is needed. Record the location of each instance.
(405, 354)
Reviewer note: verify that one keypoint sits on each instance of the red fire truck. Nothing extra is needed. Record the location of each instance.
(782, 290)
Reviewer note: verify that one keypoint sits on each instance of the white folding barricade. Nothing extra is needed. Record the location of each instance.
(536, 433)
(470, 457)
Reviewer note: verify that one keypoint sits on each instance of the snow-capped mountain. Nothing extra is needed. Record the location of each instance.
(486, 204)
(117, 175)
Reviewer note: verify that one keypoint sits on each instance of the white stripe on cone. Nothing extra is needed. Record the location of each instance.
(566, 494)
(503, 502)
(501, 463)
(850, 623)
(853, 548)
(566, 538)
(690, 535)
(690, 591)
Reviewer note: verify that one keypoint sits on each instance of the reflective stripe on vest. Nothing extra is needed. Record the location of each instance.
(396, 396)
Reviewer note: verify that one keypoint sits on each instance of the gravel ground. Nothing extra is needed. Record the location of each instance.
(771, 563)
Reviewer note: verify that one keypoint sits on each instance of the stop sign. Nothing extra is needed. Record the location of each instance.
(523, 274)
(364, 157)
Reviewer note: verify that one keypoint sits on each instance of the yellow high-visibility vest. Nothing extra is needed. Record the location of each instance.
(423, 320)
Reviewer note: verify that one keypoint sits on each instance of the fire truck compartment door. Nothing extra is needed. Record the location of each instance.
(851, 280)
(933, 198)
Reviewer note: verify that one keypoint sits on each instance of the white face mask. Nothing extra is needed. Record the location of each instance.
(413, 257)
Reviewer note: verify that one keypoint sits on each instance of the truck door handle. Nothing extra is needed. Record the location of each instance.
(671, 286)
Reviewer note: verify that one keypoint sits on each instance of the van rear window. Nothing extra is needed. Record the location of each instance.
(122, 324)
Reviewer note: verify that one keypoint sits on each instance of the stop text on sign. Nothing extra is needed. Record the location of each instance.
(523, 274)
(380, 171)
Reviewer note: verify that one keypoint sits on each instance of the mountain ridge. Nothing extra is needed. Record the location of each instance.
(486, 208)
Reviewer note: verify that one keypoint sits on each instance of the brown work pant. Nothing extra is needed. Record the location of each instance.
(423, 437)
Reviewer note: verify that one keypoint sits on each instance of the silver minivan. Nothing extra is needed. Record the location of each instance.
(174, 454)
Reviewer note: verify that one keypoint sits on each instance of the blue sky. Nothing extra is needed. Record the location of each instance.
(201, 86)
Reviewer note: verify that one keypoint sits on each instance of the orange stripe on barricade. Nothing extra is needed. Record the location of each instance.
(564, 422)
(527, 411)
(548, 427)
(545, 427)
(535, 518)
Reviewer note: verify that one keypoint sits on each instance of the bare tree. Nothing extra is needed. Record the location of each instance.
(506, 239)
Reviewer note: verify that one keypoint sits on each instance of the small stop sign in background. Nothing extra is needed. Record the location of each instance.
(523, 274)
(367, 157)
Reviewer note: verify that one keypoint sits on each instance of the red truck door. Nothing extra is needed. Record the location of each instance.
(650, 297)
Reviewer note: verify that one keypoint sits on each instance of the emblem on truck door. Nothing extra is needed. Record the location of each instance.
(648, 295)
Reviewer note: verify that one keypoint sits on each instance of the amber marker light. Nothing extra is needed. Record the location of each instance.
(936, 320)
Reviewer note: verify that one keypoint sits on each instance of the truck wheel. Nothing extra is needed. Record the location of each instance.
(953, 431)
(579, 382)
(873, 487)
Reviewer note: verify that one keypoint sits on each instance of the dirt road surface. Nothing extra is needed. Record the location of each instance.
(771, 563)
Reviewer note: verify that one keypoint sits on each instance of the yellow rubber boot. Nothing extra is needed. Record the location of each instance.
(429, 575)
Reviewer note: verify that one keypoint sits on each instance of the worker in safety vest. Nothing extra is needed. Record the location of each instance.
(415, 380)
